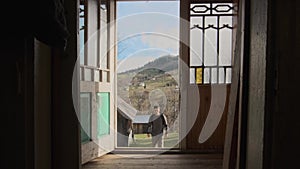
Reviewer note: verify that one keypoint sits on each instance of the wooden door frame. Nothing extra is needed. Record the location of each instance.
(65, 133)
(184, 78)
(184, 51)
(93, 149)
(136, 150)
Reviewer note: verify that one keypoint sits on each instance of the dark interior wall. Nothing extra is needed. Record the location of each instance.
(65, 125)
(283, 149)
(17, 91)
(17, 102)
(16, 52)
(10, 108)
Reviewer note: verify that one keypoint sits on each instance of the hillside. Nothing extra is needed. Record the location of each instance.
(165, 63)
(139, 87)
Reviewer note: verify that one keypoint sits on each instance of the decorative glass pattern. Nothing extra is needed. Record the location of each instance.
(211, 42)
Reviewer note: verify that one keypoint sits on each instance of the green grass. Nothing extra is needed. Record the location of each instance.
(141, 140)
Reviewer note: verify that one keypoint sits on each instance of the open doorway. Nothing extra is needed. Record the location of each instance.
(147, 74)
(130, 63)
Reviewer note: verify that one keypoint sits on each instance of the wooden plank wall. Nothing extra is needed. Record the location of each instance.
(216, 142)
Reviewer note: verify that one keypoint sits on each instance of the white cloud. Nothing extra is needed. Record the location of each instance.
(147, 22)
(168, 41)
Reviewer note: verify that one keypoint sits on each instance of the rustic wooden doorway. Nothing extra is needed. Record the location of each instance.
(207, 49)
(156, 81)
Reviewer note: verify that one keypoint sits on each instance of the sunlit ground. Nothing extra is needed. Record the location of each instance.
(141, 140)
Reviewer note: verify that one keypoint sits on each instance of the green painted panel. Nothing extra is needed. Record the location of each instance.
(85, 116)
(84, 136)
(103, 116)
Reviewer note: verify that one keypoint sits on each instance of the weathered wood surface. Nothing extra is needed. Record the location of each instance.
(172, 161)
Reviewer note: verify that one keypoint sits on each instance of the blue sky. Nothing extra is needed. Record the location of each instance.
(146, 30)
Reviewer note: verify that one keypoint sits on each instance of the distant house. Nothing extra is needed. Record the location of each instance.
(140, 124)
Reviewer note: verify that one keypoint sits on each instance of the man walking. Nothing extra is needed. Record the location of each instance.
(156, 126)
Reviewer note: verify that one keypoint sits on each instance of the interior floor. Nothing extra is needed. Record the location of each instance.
(163, 161)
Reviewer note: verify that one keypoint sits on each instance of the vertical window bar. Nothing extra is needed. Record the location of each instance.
(195, 75)
(210, 75)
(100, 75)
(85, 13)
(203, 40)
(225, 69)
(218, 45)
(82, 74)
(211, 9)
(202, 74)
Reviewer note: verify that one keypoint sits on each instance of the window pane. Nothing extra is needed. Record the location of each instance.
(97, 76)
(228, 75)
(210, 42)
(103, 35)
(105, 76)
(199, 75)
(221, 75)
(85, 116)
(92, 39)
(87, 75)
(80, 74)
(206, 75)
(225, 41)
(196, 41)
(192, 76)
(103, 114)
(214, 22)
(214, 75)
(81, 34)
